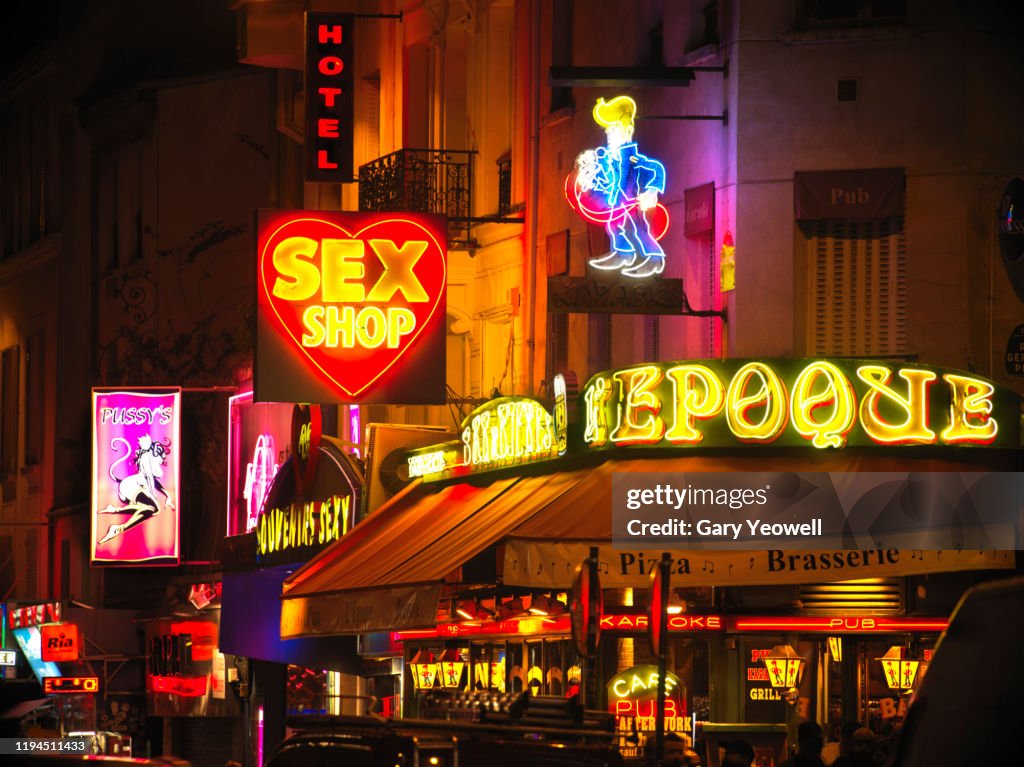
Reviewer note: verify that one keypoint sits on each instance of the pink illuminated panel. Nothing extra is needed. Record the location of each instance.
(258, 444)
(135, 476)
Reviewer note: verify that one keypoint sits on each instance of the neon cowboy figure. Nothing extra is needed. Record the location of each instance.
(627, 184)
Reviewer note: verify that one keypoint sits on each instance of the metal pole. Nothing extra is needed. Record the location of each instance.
(659, 718)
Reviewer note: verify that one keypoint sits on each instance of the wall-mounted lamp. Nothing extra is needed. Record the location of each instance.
(450, 667)
(544, 605)
(900, 671)
(472, 610)
(424, 670)
(784, 666)
(513, 608)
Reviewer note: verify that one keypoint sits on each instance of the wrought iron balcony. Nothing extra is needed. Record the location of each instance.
(423, 181)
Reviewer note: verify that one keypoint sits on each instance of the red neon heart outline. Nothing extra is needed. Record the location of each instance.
(411, 342)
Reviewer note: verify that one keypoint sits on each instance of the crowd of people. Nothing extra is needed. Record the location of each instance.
(858, 746)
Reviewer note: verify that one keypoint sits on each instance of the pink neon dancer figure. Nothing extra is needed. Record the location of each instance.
(138, 492)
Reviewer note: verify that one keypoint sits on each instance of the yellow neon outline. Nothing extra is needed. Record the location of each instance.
(515, 430)
(638, 397)
(965, 403)
(419, 330)
(773, 424)
(878, 378)
(838, 393)
(595, 397)
(687, 408)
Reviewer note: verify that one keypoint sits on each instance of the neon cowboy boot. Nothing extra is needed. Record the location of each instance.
(650, 266)
(613, 260)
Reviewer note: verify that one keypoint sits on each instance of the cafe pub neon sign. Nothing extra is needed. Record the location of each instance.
(352, 306)
(816, 402)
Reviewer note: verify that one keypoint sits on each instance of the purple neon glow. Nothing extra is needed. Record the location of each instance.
(354, 429)
(259, 474)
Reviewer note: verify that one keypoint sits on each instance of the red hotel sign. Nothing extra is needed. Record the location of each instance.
(330, 96)
(351, 307)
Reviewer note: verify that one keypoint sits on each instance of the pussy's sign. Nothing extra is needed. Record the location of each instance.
(351, 307)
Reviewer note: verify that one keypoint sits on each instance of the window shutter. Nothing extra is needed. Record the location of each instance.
(858, 288)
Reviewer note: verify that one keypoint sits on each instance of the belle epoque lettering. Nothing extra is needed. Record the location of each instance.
(821, 403)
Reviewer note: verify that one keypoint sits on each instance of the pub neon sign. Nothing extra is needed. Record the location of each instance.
(824, 403)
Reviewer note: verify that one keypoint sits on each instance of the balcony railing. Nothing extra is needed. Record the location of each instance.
(422, 181)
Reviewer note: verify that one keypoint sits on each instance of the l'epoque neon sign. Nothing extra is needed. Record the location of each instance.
(824, 403)
(351, 307)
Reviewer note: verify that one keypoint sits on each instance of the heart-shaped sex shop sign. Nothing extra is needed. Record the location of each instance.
(351, 307)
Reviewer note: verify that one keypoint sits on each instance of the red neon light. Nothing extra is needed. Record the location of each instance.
(838, 624)
(351, 317)
(182, 686)
(646, 709)
(587, 205)
(685, 622)
(24, 617)
(204, 637)
(515, 626)
(69, 685)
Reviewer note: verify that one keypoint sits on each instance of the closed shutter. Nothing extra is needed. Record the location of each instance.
(858, 288)
(207, 741)
(371, 103)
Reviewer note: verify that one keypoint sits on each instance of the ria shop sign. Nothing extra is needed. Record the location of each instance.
(350, 307)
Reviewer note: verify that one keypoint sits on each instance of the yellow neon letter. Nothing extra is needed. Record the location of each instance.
(313, 321)
(771, 396)
(636, 385)
(970, 411)
(805, 403)
(401, 321)
(297, 279)
(398, 274)
(343, 271)
(696, 393)
(914, 428)
(595, 397)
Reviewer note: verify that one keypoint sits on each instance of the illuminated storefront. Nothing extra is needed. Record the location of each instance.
(295, 491)
(471, 568)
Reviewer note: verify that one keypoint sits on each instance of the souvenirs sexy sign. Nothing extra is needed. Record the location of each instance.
(135, 488)
(350, 307)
